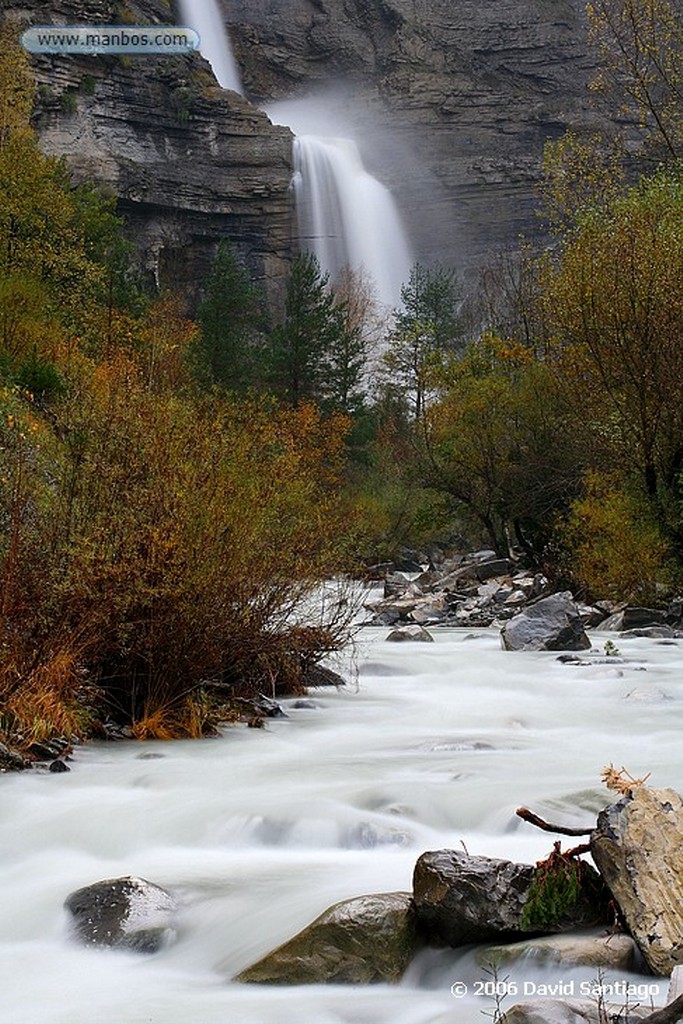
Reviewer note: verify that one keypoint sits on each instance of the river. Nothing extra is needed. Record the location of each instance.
(258, 831)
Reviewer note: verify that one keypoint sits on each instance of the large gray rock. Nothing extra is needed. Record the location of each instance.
(126, 913)
(357, 942)
(552, 624)
(431, 610)
(461, 900)
(411, 634)
(613, 952)
(632, 618)
(638, 849)
(495, 567)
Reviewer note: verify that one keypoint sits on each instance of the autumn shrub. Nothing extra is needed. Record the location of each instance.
(164, 543)
(615, 547)
(161, 547)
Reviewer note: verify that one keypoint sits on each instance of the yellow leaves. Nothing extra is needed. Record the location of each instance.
(640, 43)
(42, 704)
(166, 338)
(616, 549)
(16, 85)
(578, 172)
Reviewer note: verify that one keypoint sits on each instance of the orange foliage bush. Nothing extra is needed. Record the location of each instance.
(173, 539)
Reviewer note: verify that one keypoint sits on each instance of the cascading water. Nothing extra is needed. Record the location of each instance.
(205, 17)
(345, 215)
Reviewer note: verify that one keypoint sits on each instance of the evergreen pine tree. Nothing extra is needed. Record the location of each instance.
(298, 349)
(231, 318)
(427, 323)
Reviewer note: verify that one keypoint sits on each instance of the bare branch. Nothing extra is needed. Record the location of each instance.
(560, 830)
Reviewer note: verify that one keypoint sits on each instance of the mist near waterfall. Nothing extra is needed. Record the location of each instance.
(345, 215)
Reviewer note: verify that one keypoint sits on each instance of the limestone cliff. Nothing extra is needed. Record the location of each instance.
(190, 163)
(453, 99)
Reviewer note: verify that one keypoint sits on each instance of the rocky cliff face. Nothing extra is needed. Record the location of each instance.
(190, 163)
(453, 100)
(450, 100)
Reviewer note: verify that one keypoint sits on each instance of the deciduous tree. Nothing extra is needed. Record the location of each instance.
(641, 50)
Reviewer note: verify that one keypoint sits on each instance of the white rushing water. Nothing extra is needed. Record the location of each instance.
(347, 217)
(258, 831)
(205, 17)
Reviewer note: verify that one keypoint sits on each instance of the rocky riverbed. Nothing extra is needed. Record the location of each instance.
(257, 833)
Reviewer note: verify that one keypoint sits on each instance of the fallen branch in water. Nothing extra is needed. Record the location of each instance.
(526, 815)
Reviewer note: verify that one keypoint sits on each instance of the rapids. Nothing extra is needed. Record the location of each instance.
(258, 831)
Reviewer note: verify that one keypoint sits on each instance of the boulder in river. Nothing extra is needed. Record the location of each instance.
(633, 618)
(460, 900)
(552, 624)
(638, 848)
(411, 633)
(359, 941)
(12, 760)
(319, 675)
(616, 952)
(126, 913)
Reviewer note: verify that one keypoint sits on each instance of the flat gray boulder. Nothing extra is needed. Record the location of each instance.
(614, 951)
(125, 913)
(411, 634)
(552, 624)
(638, 849)
(633, 618)
(360, 941)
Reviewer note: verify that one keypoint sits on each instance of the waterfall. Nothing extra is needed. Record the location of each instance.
(205, 17)
(347, 217)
